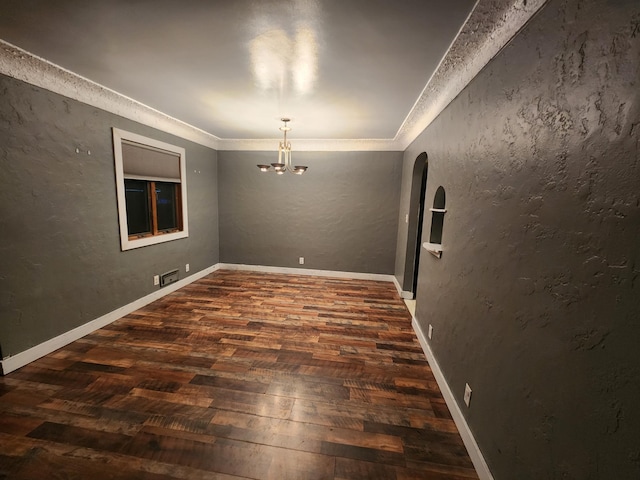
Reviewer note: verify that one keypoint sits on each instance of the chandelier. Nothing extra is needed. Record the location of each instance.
(284, 156)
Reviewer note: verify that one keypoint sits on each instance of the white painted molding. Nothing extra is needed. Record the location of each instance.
(403, 293)
(380, 277)
(465, 432)
(21, 359)
(489, 27)
(18, 63)
(397, 285)
(126, 243)
(315, 145)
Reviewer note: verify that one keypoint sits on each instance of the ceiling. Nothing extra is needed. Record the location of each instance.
(341, 70)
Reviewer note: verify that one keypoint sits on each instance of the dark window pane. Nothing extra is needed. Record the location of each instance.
(137, 197)
(166, 205)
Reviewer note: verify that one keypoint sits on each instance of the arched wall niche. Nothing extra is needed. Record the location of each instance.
(437, 216)
(434, 245)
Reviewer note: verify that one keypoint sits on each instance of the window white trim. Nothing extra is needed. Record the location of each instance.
(126, 244)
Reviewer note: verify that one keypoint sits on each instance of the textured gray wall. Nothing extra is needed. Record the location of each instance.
(59, 238)
(536, 300)
(341, 215)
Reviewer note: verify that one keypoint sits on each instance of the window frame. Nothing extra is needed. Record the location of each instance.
(128, 242)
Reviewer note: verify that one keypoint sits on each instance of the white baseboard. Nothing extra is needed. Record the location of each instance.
(380, 277)
(21, 359)
(465, 432)
(403, 293)
(398, 287)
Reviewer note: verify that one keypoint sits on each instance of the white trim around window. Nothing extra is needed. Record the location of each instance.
(127, 241)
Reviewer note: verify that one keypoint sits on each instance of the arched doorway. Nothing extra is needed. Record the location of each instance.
(416, 215)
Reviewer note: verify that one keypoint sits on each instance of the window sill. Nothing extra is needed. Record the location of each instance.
(132, 243)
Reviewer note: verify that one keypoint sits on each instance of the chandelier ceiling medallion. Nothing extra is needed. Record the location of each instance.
(284, 156)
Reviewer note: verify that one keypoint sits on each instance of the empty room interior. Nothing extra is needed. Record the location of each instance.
(308, 239)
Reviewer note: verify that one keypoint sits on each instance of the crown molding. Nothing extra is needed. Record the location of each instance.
(22, 65)
(314, 145)
(489, 27)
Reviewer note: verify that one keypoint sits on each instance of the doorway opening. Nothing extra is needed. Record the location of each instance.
(415, 219)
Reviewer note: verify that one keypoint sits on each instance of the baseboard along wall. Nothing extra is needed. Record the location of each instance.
(469, 440)
(14, 362)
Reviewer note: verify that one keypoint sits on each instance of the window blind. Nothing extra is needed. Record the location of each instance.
(145, 163)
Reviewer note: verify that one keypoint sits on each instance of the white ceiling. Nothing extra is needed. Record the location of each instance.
(350, 69)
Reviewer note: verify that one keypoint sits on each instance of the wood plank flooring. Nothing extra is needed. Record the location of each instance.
(238, 375)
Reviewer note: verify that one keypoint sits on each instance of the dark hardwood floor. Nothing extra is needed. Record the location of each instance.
(238, 375)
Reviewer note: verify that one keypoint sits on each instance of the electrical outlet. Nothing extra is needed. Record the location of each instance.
(301, 260)
(430, 331)
(467, 394)
(186, 267)
(406, 218)
(156, 279)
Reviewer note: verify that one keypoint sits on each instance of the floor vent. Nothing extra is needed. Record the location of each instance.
(169, 277)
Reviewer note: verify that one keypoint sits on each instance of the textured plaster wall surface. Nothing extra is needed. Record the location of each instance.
(536, 300)
(341, 215)
(59, 236)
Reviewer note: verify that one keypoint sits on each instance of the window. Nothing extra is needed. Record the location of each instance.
(151, 188)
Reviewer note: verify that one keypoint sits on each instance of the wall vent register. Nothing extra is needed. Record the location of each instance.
(169, 277)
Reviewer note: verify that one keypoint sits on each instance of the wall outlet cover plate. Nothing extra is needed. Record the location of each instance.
(467, 394)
